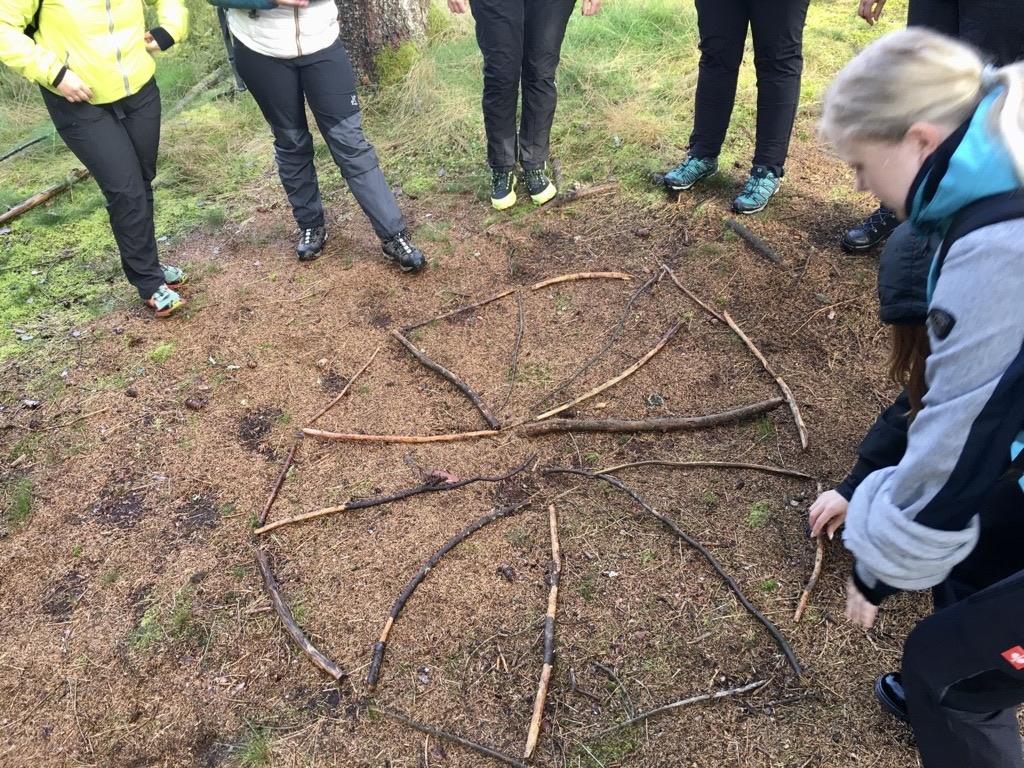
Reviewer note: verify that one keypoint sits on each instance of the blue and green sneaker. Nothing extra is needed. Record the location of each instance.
(761, 185)
(173, 276)
(165, 302)
(689, 172)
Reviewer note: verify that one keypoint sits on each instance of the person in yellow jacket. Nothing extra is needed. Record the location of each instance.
(93, 61)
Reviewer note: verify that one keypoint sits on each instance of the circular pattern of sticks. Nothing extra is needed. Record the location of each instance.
(543, 423)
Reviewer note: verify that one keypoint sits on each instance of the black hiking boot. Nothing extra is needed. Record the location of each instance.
(890, 694)
(400, 250)
(539, 186)
(503, 188)
(311, 243)
(874, 230)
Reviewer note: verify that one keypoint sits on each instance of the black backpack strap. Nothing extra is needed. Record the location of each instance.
(982, 213)
(33, 25)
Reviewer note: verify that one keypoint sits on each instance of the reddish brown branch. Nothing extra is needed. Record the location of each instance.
(693, 297)
(346, 388)
(351, 437)
(277, 485)
(77, 175)
(580, 276)
(451, 378)
(819, 558)
(459, 311)
(431, 486)
(572, 195)
(780, 641)
(396, 609)
(663, 424)
(707, 465)
(285, 614)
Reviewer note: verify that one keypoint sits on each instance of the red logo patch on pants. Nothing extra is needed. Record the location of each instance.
(1015, 656)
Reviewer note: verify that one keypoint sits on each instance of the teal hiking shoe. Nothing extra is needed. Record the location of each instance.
(173, 276)
(689, 172)
(761, 185)
(539, 186)
(165, 302)
(503, 188)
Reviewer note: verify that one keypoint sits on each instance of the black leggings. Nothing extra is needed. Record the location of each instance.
(281, 88)
(994, 26)
(118, 144)
(521, 41)
(777, 27)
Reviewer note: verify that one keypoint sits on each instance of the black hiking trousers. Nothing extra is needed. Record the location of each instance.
(994, 26)
(963, 667)
(324, 79)
(778, 29)
(521, 41)
(118, 144)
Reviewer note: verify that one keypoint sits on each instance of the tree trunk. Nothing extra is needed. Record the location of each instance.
(370, 26)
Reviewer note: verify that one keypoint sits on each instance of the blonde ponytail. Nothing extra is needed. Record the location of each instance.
(916, 75)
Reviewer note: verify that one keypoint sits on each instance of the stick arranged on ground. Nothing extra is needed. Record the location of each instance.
(706, 465)
(277, 486)
(445, 736)
(77, 175)
(513, 369)
(755, 242)
(580, 276)
(451, 378)
(616, 379)
(346, 388)
(555, 577)
(819, 558)
(783, 386)
(725, 318)
(780, 641)
(30, 143)
(381, 646)
(431, 486)
(285, 614)
(572, 195)
(350, 437)
(612, 338)
(677, 705)
(459, 311)
(661, 424)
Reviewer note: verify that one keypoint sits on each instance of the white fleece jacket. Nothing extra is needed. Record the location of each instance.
(286, 33)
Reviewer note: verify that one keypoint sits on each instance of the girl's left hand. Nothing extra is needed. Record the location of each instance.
(859, 610)
(151, 45)
(591, 7)
(458, 6)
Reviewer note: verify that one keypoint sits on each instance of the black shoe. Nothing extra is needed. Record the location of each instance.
(539, 186)
(871, 232)
(503, 188)
(889, 692)
(311, 243)
(407, 256)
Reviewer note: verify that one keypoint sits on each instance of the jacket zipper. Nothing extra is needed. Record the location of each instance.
(298, 43)
(117, 49)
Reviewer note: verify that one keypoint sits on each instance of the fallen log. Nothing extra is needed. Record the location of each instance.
(77, 175)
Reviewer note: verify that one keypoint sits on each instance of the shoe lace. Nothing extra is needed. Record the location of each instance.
(307, 236)
(878, 219)
(499, 179)
(756, 186)
(402, 241)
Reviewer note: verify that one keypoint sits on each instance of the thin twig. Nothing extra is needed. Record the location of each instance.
(437, 733)
(706, 465)
(819, 558)
(396, 609)
(459, 311)
(581, 276)
(346, 388)
(403, 439)
(285, 614)
(780, 641)
(660, 424)
(612, 338)
(549, 637)
(77, 419)
(755, 242)
(677, 704)
(513, 370)
(432, 486)
(573, 195)
(615, 379)
(30, 143)
(451, 378)
(693, 297)
(277, 486)
(783, 386)
(630, 709)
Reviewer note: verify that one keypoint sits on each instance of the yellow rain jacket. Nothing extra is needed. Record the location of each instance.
(101, 41)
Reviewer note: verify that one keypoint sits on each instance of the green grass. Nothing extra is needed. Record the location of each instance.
(161, 353)
(760, 512)
(19, 503)
(255, 750)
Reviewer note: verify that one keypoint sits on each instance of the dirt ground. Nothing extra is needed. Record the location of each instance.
(134, 626)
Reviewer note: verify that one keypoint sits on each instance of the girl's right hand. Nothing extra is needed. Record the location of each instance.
(827, 513)
(292, 3)
(871, 10)
(458, 6)
(72, 88)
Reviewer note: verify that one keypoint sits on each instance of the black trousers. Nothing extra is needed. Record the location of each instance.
(281, 88)
(778, 29)
(994, 26)
(521, 41)
(118, 144)
(960, 673)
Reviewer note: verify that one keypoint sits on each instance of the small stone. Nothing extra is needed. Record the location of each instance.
(423, 675)
(794, 503)
(195, 403)
(506, 572)
(31, 404)
(197, 577)
(321, 363)
(130, 392)
(610, 574)
(823, 299)
(251, 365)
(642, 232)
(654, 400)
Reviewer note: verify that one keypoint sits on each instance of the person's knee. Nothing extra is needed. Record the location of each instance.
(720, 55)
(779, 60)
(292, 143)
(349, 147)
